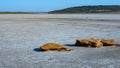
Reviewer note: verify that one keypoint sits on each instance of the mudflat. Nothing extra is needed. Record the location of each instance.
(21, 35)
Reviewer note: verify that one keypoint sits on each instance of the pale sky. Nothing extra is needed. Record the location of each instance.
(48, 5)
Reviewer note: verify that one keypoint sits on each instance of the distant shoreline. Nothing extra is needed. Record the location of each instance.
(22, 13)
(50, 13)
(83, 13)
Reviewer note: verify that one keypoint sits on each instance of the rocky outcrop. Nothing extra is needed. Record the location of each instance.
(92, 42)
(54, 47)
(108, 42)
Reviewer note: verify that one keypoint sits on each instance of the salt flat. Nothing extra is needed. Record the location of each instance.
(22, 34)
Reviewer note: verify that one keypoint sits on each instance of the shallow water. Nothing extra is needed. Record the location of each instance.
(20, 34)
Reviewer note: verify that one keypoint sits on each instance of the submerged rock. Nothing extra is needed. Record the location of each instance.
(91, 42)
(108, 42)
(54, 47)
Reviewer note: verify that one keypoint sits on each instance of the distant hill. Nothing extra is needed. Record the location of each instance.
(90, 9)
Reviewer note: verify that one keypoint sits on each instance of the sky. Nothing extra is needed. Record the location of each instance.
(48, 5)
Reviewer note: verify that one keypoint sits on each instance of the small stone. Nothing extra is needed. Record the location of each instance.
(51, 59)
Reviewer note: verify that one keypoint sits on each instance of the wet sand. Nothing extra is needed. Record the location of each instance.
(22, 34)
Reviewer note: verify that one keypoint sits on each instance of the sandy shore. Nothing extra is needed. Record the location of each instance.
(22, 34)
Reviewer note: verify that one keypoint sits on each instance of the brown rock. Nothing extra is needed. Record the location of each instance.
(91, 42)
(54, 47)
(108, 42)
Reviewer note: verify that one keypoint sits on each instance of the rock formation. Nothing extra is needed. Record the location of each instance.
(92, 42)
(54, 47)
(108, 42)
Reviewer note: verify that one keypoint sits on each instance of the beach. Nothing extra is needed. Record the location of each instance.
(22, 34)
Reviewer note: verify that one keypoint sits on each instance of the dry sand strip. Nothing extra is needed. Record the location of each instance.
(61, 19)
(74, 19)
